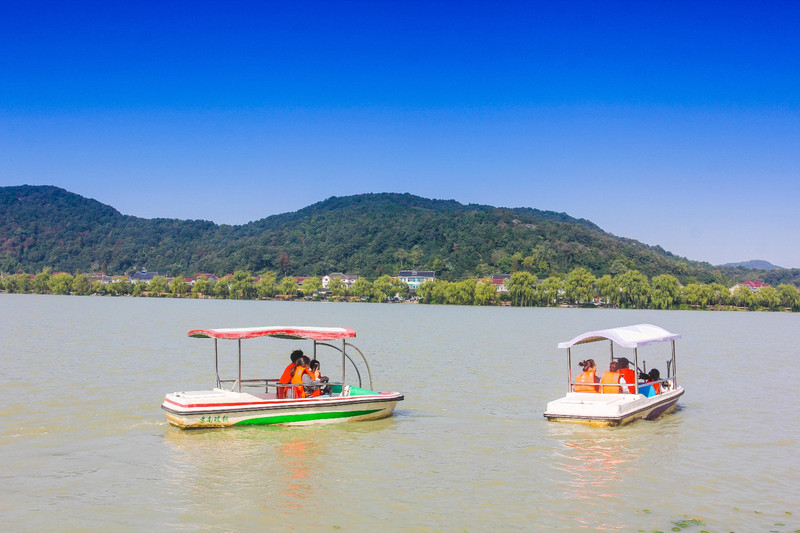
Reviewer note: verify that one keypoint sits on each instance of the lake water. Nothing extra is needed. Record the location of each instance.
(86, 447)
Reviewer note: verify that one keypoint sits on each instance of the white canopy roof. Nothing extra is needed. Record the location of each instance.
(627, 337)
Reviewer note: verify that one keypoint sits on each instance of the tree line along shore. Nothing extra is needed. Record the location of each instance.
(630, 289)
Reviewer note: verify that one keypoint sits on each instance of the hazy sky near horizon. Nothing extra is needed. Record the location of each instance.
(673, 123)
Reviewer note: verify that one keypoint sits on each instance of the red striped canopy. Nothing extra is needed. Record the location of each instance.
(282, 332)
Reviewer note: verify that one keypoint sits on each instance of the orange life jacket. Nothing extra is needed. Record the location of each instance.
(610, 377)
(656, 387)
(630, 377)
(297, 379)
(285, 378)
(586, 377)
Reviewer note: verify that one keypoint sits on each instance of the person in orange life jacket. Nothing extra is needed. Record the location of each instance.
(612, 376)
(654, 376)
(298, 374)
(314, 377)
(589, 375)
(286, 377)
(626, 375)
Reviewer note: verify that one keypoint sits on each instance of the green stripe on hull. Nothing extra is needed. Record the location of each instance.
(288, 419)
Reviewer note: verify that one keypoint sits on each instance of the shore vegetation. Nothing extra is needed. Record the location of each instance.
(578, 288)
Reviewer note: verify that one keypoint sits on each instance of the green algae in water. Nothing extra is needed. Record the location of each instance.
(679, 525)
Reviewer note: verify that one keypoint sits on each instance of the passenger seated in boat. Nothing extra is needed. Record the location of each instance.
(612, 376)
(298, 374)
(653, 377)
(626, 375)
(589, 375)
(315, 378)
(286, 377)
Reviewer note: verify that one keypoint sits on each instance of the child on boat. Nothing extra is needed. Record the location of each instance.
(316, 378)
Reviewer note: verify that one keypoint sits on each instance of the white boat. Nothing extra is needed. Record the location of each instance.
(614, 409)
(227, 404)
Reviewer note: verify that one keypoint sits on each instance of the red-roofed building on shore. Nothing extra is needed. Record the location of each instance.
(499, 282)
(753, 285)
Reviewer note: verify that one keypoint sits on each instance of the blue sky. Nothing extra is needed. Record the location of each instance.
(673, 123)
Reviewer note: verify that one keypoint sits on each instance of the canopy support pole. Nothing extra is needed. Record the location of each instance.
(344, 361)
(674, 369)
(569, 369)
(240, 365)
(216, 362)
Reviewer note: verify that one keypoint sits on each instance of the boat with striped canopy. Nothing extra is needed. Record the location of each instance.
(258, 400)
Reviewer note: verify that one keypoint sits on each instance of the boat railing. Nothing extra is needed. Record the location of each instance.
(268, 383)
(666, 384)
(346, 355)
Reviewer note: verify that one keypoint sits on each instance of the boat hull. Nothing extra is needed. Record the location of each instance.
(221, 408)
(606, 410)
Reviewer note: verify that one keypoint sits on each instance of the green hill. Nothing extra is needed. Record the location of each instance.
(755, 264)
(367, 234)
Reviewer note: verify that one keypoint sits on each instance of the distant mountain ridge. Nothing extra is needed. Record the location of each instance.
(754, 264)
(366, 234)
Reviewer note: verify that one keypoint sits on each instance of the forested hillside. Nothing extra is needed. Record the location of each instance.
(366, 235)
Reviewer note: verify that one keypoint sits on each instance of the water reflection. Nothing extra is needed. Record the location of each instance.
(284, 465)
(295, 455)
(590, 466)
(594, 466)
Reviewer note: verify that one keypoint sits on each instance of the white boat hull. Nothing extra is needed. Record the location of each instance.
(611, 409)
(221, 408)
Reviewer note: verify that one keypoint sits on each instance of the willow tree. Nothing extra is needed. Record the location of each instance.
(697, 294)
(742, 296)
(485, 293)
(579, 286)
(634, 289)
(522, 289)
(310, 286)
(767, 298)
(61, 283)
(41, 281)
(157, 286)
(665, 291)
(267, 286)
(288, 287)
(551, 290)
(789, 296)
(81, 285)
(202, 287)
(241, 287)
(608, 289)
(179, 288)
(362, 288)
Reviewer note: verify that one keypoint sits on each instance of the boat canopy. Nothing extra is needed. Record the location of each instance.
(281, 332)
(627, 337)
